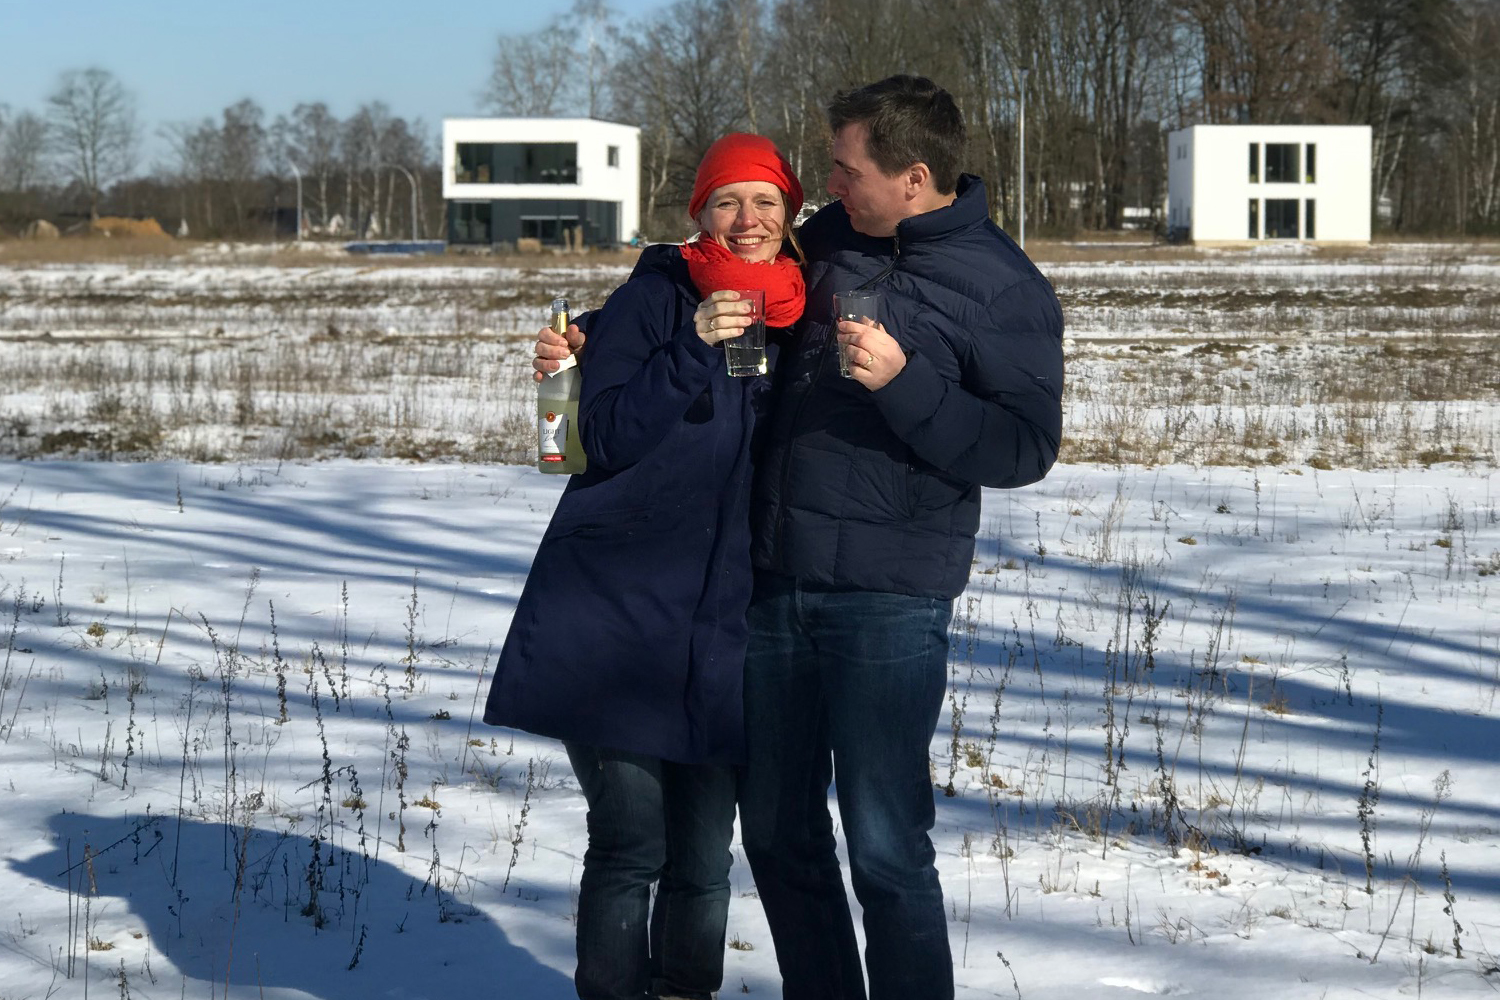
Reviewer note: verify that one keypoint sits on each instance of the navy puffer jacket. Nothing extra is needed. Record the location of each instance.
(630, 633)
(880, 490)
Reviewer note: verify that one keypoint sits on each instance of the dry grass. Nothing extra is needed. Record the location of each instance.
(1142, 248)
(296, 353)
(90, 250)
(124, 249)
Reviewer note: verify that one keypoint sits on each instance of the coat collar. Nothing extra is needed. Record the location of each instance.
(970, 206)
(829, 229)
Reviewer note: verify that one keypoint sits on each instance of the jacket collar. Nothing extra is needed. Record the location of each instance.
(829, 228)
(970, 206)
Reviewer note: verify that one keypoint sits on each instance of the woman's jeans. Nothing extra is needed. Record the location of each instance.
(846, 683)
(652, 820)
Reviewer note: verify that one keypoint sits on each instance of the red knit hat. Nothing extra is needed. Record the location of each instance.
(740, 156)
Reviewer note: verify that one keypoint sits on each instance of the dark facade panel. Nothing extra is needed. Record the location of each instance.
(500, 223)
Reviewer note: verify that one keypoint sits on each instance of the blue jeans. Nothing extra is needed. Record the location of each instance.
(846, 682)
(652, 820)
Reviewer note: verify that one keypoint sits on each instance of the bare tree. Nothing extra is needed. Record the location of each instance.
(594, 22)
(22, 147)
(93, 130)
(531, 74)
(311, 141)
(670, 79)
(241, 157)
(366, 147)
(196, 148)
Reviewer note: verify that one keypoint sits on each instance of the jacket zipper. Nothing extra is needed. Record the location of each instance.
(786, 462)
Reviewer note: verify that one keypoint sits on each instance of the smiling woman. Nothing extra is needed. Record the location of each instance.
(650, 552)
(749, 219)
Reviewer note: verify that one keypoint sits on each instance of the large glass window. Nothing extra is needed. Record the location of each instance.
(537, 163)
(516, 163)
(471, 222)
(1255, 163)
(1310, 219)
(1281, 218)
(1254, 218)
(472, 164)
(1282, 163)
(547, 228)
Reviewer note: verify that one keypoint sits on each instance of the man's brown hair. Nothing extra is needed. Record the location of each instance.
(909, 120)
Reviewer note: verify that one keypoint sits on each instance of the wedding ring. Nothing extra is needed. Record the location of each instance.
(869, 360)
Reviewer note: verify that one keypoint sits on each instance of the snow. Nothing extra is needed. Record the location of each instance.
(1195, 711)
(1230, 637)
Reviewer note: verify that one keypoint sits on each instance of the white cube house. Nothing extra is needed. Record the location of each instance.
(1239, 184)
(555, 181)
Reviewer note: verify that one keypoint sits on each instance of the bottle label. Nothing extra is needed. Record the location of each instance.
(552, 436)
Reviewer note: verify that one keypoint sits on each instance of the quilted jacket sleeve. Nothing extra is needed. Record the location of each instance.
(1000, 425)
(643, 367)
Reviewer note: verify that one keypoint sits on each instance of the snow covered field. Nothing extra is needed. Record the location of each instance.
(1222, 727)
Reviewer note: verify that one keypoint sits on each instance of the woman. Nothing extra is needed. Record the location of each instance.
(628, 641)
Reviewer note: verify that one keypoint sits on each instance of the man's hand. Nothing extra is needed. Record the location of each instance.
(874, 356)
(552, 348)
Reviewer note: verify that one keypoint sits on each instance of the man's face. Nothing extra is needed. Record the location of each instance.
(875, 202)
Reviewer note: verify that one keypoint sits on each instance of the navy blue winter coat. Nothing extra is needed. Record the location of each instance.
(630, 633)
(880, 490)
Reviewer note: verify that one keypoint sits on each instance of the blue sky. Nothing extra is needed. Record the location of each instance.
(188, 59)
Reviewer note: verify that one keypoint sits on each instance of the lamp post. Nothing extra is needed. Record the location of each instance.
(413, 182)
(298, 174)
(1024, 74)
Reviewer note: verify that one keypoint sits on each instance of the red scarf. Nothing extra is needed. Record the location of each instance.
(714, 268)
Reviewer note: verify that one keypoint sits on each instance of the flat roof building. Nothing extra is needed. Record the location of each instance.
(556, 181)
(1240, 184)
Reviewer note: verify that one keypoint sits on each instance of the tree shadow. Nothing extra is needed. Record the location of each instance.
(231, 906)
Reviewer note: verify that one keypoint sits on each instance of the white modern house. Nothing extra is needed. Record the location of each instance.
(553, 180)
(1241, 184)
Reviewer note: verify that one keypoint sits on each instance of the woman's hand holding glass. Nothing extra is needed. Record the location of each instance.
(722, 316)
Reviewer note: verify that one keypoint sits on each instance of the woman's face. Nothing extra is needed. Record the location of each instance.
(748, 217)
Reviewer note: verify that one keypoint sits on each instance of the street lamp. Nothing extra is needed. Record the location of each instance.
(413, 182)
(1024, 74)
(298, 174)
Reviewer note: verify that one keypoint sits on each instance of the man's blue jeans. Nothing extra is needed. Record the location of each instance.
(652, 820)
(846, 683)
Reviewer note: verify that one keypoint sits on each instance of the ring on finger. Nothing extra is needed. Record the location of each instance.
(869, 360)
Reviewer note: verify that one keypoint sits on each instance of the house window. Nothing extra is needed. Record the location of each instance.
(1281, 162)
(1255, 163)
(1310, 218)
(1312, 163)
(614, 156)
(471, 222)
(1281, 218)
(516, 163)
(471, 164)
(548, 229)
(1255, 218)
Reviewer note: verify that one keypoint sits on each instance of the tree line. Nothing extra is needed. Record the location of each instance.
(373, 173)
(1104, 82)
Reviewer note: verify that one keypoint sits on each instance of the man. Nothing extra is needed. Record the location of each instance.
(864, 512)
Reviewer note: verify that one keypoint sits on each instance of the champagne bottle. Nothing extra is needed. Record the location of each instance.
(559, 449)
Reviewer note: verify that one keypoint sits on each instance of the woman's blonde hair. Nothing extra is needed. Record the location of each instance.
(789, 230)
